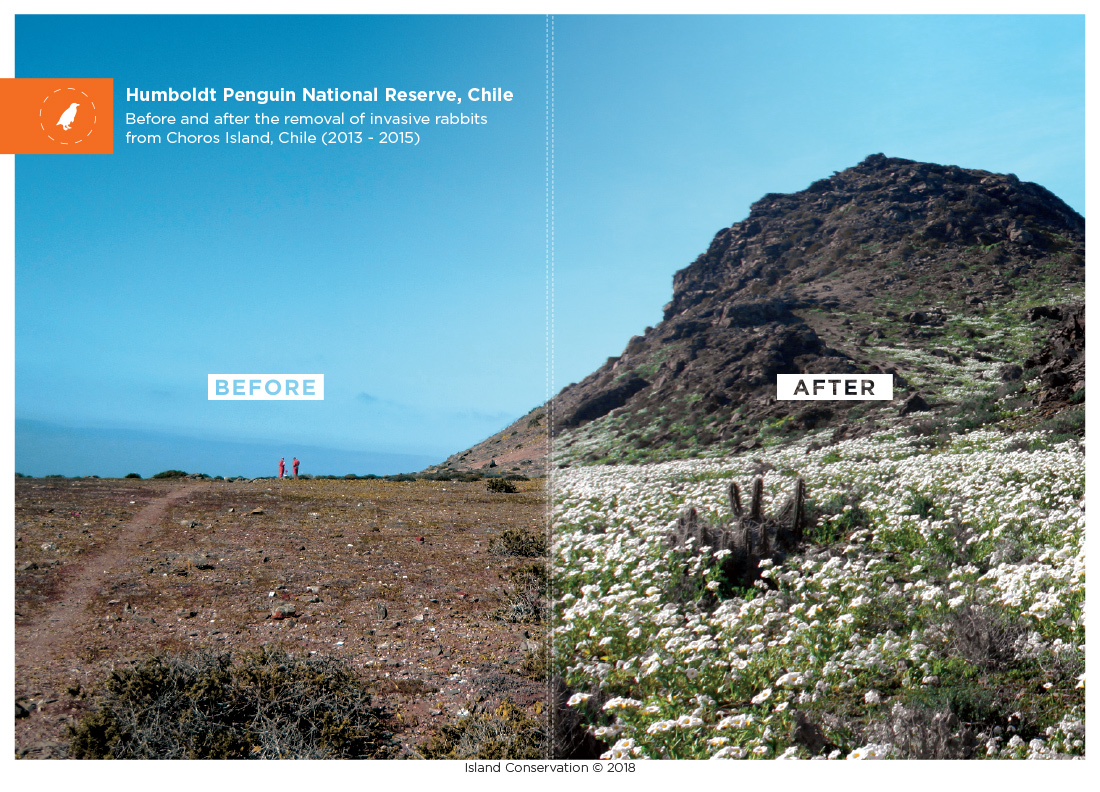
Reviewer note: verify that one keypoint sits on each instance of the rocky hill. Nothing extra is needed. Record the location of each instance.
(519, 448)
(933, 273)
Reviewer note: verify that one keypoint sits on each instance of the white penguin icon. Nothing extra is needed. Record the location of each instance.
(67, 117)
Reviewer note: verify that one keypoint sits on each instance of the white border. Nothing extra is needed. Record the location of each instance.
(354, 776)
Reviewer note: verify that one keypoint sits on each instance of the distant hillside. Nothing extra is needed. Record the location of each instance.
(893, 266)
(518, 448)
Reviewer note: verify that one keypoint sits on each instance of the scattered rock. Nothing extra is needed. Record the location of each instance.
(1011, 372)
(914, 403)
(257, 511)
(805, 732)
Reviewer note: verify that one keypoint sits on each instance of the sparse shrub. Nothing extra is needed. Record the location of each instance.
(500, 485)
(517, 542)
(133, 475)
(268, 705)
(526, 599)
(460, 475)
(971, 704)
(922, 732)
(169, 474)
(983, 637)
(505, 733)
(536, 664)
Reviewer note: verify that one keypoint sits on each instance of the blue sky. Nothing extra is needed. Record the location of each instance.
(669, 128)
(415, 279)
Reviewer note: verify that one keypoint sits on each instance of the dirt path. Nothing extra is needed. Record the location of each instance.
(39, 640)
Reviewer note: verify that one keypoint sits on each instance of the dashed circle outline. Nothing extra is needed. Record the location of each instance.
(95, 117)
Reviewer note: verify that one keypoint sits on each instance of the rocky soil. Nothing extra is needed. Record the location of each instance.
(394, 578)
(518, 448)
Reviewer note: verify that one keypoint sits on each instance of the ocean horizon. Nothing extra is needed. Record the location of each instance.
(43, 448)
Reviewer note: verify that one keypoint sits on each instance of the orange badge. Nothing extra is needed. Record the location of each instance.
(57, 116)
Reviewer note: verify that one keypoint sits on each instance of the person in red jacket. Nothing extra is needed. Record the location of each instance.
(282, 466)
(296, 467)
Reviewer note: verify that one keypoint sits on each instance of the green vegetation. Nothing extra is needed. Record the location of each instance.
(170, 474)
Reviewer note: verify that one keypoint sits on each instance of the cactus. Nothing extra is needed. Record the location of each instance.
(749, 538)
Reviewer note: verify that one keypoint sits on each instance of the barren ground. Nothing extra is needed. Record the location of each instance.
(406, 590)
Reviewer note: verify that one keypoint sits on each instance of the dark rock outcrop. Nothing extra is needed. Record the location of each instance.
(1061, 360)
(789, 290)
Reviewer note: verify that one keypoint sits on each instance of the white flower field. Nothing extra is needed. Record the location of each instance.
(935, 611)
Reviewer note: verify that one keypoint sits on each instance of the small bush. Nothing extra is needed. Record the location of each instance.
(170, 474)
(970, 704)
(133, 475)
(500, 485)
(526, 599)
(517, 542)
(505, 733)
(921, 732)
(984, 638)
(536, 665)
(268, 705)
(925, 507)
